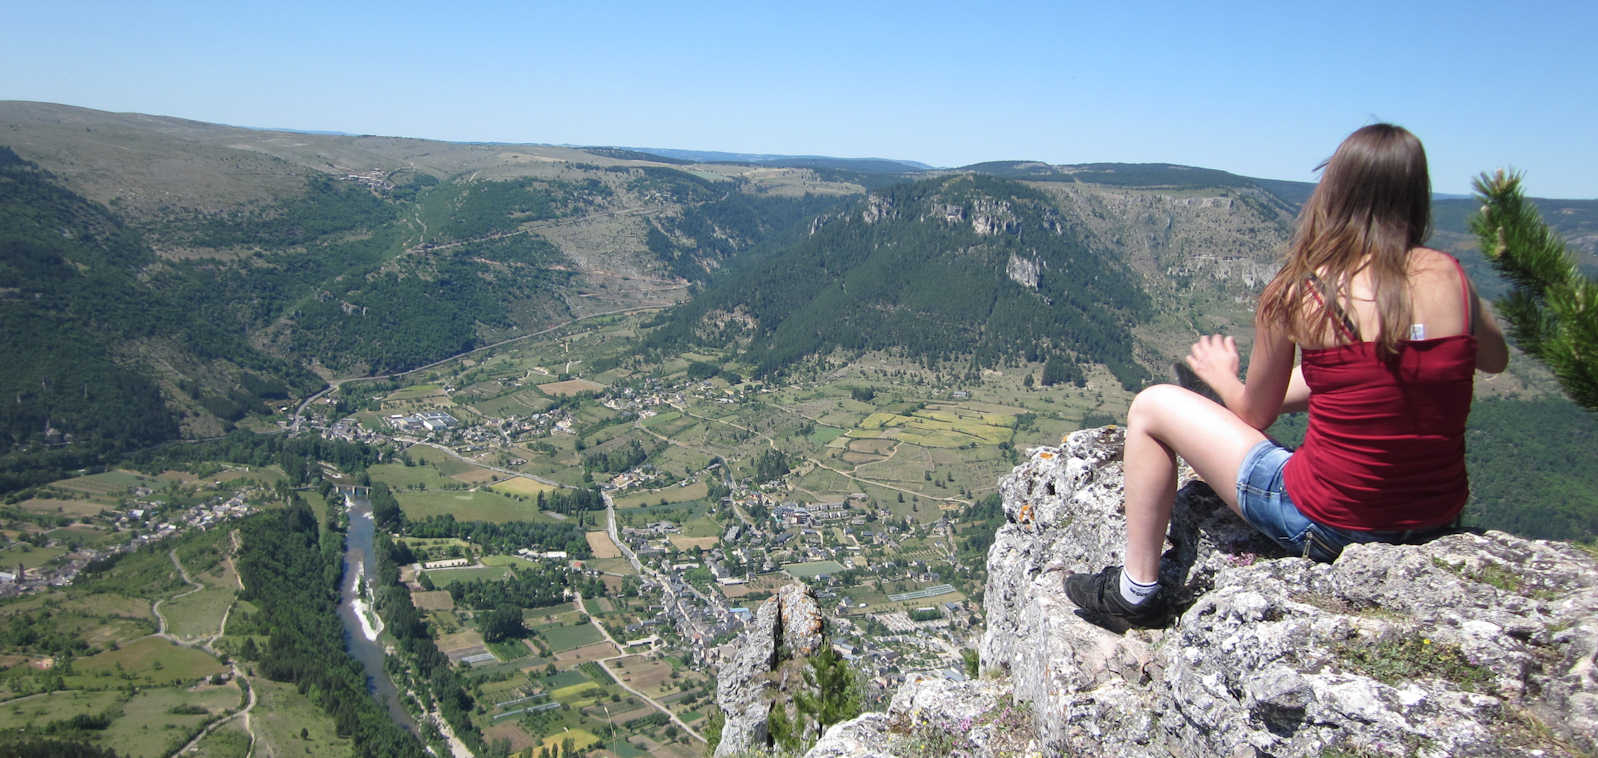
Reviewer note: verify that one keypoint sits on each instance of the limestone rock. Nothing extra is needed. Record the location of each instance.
(1470, 644)
(801, 619)
(1023, 271)
(741, 683)
(790, 622)
(962, 710)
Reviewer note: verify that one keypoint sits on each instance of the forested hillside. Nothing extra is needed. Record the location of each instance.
(93, 329)
(967, 268)
(165, 278)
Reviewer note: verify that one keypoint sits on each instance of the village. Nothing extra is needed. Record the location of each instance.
(140, 519)
(885, 579)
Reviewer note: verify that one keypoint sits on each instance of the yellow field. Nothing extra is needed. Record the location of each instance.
(685, 543)
(521, 485)
(936, 428)
(600, 543)
(571, 693)
(580, 738)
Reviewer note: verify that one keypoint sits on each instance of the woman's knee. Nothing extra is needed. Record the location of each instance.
(1154, 405)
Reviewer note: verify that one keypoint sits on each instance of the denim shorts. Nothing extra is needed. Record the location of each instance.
(1263, 499)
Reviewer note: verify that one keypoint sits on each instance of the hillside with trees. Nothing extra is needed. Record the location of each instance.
(965, 269)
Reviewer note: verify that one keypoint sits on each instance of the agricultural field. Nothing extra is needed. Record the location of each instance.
(446, 577)
(424, 491)
(939, 426)
(684, 542)
(148, 722)
(227, 741)
(151, 659)
(602, 546)
(694, 491)
(524, 402)
(282, 715)
(586, 653)
(521, 485)
(570, 387)
(436, 600)
(87, 506)
(813, 569)
(514, 561)
(564, 638)
(29, 557)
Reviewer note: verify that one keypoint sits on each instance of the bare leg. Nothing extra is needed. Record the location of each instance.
(1163, 422)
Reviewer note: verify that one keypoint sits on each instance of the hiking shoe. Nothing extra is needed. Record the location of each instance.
(1101, 594)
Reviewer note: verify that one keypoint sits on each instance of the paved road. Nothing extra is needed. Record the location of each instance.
(622, 653)
(665, 584)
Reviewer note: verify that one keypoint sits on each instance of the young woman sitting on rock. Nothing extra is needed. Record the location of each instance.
(1392, 334)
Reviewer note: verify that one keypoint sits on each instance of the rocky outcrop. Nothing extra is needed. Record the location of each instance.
(786, 624)
(801, 619)
(986, 215)
(1023, 271)
(1471, 644)
(928, 712)
(879, 208)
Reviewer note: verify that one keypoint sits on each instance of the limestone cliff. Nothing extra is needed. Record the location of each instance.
(786, 627)
(1472, 644)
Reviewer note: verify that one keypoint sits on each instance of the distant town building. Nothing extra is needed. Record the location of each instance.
(447, 563)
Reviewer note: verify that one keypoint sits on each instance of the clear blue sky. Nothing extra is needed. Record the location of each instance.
(1263, 89)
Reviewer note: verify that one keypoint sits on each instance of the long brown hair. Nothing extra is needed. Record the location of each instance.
(1370, 209)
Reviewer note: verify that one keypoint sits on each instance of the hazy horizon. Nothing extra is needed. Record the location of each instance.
(1252, 89)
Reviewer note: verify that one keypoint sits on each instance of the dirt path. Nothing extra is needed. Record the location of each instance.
(451, 451)
(208, 645)
(155, 607)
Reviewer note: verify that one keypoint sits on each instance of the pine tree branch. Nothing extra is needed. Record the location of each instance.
(1553, 310)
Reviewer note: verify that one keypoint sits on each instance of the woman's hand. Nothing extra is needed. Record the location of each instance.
(1214, 358)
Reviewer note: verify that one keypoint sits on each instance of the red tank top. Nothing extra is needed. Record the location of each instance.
(1385, 448)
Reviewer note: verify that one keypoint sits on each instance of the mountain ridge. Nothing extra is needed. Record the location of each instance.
(355, 255)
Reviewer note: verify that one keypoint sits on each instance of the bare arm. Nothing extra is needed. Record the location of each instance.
(1492, 353)
(1297, 398)
(1274, 384)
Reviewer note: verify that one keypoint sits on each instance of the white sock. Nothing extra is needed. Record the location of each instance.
(1134, 591)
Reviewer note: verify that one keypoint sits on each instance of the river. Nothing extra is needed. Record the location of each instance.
(360, 622)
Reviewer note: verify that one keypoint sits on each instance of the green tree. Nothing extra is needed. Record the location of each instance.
(1553, 309)
(832, 692)
(1054, 370)
(505, 622)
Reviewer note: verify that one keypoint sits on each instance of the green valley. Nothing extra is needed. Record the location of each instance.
(592, 406)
